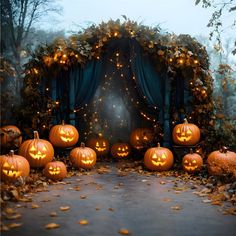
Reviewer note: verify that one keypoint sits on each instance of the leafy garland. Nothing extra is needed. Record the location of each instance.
(171, 52)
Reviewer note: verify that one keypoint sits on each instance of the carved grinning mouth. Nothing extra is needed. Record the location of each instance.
(87, 162)
(100, 149)
(66, 139)
(38, 155)
(12, 173)
(123, 154)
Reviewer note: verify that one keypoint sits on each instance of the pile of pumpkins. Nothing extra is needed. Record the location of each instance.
(39, 153)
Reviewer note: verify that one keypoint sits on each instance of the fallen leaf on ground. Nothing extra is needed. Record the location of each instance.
(13, 217)
(230, 211)
(9, 210)
(110, 209)
(206, 200)
(166, 199)
(14, 225)
(177, 207)
(3, 227)
(83, 197)
(34, 206)
(77, 188)
(52, 226)
(124, 231)
(162, 182)
(53, 214)
(83, 222)
(64, 208)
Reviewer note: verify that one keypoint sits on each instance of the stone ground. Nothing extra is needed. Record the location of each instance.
(110, 201)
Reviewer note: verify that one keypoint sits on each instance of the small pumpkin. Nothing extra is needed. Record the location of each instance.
(120, 150)
(13, 167)
(83, 157)
(186, 134)
(64, 135)
(11, 136)
(222, 162)
(192, 162)
(37, 151)
(158, 158)
(99, 144)
(55, 170)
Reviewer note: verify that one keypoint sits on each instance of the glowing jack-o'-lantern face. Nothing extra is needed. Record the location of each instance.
(13, 166)
(55, 170)
(141, 138)
(63, 135)
(120, 150)
(37, 151)
(83, 157)
(99, 144)
(158, 158)
(186, 134)
(192, 162)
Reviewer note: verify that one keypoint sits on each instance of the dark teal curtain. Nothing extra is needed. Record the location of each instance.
(75, 88)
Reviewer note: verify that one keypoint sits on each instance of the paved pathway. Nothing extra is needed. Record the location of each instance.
(144, 205)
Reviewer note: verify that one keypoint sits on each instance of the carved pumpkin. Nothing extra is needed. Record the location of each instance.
(83, 157)
(37, 151)
(186, 134)
(141, 138)
(10, 136)
(99, 144)
(63, 135)
(192, 162)
(120, 150)
(55, 170)
(158, 158)
(13, 166)
(222, 162)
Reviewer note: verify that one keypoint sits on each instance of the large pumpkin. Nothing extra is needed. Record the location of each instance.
(99, 144)
(13, 166)
(83, 157)
(63, 135)
(55, 170)
(158, 158)
(141, 138)
(120, 150)
(10, 136)
(222, 162)
(192, 162)
(186, 134)
(37, 151)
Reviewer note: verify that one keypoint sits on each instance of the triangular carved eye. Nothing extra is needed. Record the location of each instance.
(119, 148)
(154, 156)
(6, 165)
(178, 131)
(58, 168)
(194, 161)
(44, 149)
(33, 149)
(189, 131)
(137, 137)
(163, 156)
(126, 147)
(83, 155)
(97, 144)
(186, 162)
(50, 168)
(62, 131)
(104, 144)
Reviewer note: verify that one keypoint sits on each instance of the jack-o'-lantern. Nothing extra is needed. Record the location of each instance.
(222, 162)
(10, 136)
(37, 151)
(186, 134)
(99, 144)
(13, 166)
(141, 138)
(158, 158)
(63, 135)
(55, 170)
(120, 150)
(83, 157)
(192, 162)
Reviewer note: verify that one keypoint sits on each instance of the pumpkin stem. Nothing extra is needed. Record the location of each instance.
(185, 121)
(82, 145)
(36, 135)
(11, 153)
(224, 149)
(191, 151)
(158, 145)
(63, 122)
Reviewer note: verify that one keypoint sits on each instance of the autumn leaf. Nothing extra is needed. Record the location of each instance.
(83, 222)
(64, 208)
(124, 231)
(176, 208)
(14, 225)
(52, 226)
(34, 206)
(53, 214)
(13, 217)
(83, 197)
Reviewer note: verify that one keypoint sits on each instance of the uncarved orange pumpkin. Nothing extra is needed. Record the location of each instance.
(158, 158)
(222, 162)
(192, 162)
(63, 135)
(83, 157)
(10, 136)
(186, 134)
(13, 167)
(37, 151)
(55, 170)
